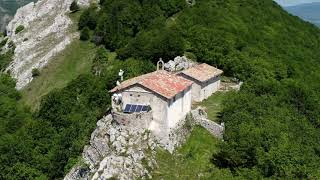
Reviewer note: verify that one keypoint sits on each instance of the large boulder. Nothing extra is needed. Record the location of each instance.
(178, 64)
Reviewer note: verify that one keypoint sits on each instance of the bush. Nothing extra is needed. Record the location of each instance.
(88, 18)
(35, 72)
(74, 6)
(3, 42)
(85, 34)
(11, 45)
(19, 29)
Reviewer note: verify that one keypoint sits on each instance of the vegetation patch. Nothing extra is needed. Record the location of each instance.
(76, 59)
(74, 7)
(19, 29)
(35, 72)
(3, 42)
(192, 160)
(213, 105)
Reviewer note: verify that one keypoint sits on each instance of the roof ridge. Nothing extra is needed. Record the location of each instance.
(161, 82)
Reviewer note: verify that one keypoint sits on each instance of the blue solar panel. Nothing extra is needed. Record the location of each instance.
(127, 108)
(133, 108)
(139, 107)
(144, 108)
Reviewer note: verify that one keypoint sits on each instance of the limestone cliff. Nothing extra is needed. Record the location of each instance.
(116, 151)
(8, 9)
(47, 31)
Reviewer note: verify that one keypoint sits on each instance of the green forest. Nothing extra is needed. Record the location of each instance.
(272, 123)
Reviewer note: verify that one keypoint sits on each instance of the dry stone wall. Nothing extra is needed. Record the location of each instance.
(134, 120)
(200, 118)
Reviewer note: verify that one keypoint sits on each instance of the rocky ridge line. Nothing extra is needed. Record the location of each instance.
(116, 151)
(47, 31)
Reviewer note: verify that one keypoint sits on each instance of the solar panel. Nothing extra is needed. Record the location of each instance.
(127, 108)
(133, 108)
(144, 108)
(139, 107)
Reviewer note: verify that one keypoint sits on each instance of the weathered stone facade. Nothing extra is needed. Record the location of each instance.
(133, 121)
(166, 114)
(203, 90)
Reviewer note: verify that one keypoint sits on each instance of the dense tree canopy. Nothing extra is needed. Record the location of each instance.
(46, 143)
(272, 124)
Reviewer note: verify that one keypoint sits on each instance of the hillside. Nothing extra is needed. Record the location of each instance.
(272, 123)
(8, 9)
(46, 31)
(309, 12)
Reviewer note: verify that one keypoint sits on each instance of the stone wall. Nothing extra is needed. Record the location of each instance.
(200, 118)
(178, 135)
(134, 120)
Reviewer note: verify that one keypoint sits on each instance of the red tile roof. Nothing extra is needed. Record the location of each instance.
(202, 72)
(161, 82)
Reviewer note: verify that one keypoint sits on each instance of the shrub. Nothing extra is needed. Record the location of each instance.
(3, 42)
(35, 72)
(85, 34)
(19, 29)
(11, 45)
(74, 6)
(88, 18)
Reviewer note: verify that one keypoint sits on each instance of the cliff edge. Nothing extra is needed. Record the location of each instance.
(46, 32)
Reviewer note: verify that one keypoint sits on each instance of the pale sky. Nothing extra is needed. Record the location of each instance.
(294, 2)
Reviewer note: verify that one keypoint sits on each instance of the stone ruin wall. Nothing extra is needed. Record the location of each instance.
(199, 117)
(133, 121)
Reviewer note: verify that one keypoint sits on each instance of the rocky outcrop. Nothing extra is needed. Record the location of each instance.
(47, 31)
(7, 10)
(116, 151)
(178, 64)
(128, 152)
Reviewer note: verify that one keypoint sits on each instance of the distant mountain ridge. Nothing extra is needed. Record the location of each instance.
(308, 12)
(7, 10)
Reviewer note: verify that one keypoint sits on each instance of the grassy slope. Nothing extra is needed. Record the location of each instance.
(213, 105)
(192, 160)
(76, 59)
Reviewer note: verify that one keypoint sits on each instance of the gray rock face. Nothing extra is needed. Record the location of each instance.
(123, 152)
(116, 151)
(178, 64)
(47, 31)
